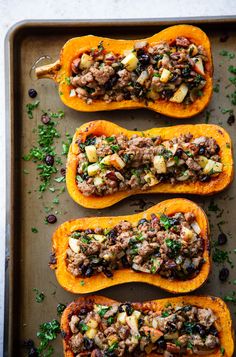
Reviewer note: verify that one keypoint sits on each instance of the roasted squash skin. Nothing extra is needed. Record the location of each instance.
(224, 325)
(101, 127)
(79, 285)
(73, 48)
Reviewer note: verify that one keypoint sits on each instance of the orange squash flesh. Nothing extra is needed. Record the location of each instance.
(101, 127)
(73, 48)
(79, 285)
(219, 308)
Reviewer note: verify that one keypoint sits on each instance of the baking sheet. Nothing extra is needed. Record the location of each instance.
(27, 252)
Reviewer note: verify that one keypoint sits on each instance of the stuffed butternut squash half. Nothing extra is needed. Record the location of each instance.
(189, 325)
(167, 246)
(107, 163)
(170, 72)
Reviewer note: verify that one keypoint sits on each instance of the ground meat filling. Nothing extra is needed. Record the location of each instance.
(170, 246)
(128, 330)
(174, 72)
(118, 163)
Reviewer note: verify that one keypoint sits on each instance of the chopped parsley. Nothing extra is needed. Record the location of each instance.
(60, 179)
(39, 297)
(102, 310)
(45, 146)
(30, 107)
(66, 144)
(60, 308)
(227, 54)
(165, 221)
(47, 333)
(83, 327)
(34, 230)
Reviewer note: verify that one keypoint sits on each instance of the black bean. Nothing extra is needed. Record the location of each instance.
(111, 82)
(213, 331)
(140, 322)
(49, 159)
(121, 308)
(88, 343)
(174, 221)
(127, 95)
(144, 59)
(32, 93)
(33, 352)
(200, 329)
(89, 272)
(224, 274)
(45, 119)
(112, 233)
(142, 221)
(63, 171)
(51, 218)
(128, 308)
(89, 231)
(217, 149)
(191, 269)
(179, 152)
(83, 311)
(231, 119)
(201, 150)
(222, 238)
(205, 178)
(108, 273)
(167, 93)
(161, 343)
(125, 262)
(186, 72)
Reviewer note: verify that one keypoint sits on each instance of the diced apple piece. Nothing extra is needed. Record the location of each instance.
(86, 61)
(154, 333)
(151, 179)
(130, 62)
(99, 238)
(136, 314)
(159, 164)
(198, 67)
(132, 322)
(91, 153)
(187, 233)
(93, 169)
(112, 339)
(106, 160)
(185, 176)
(213, 167)
(165, 76)
(195, 227)
(91, 333)
(142, 78)
(98, 181)
(117, 162)
(73, 244)
(202, 161)
(180, 94)
(192, 50)
(122, 317)
(92, 323)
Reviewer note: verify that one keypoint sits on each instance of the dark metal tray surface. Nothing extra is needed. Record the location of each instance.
(28, 253)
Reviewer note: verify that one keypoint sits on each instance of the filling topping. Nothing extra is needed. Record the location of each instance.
(130, 330)
(170, 246)
(118, 163)
(173, 72)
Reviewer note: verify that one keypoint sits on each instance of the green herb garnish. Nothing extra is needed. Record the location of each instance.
(30, 107)
(34, 230)
(60, 308)
(39, 297)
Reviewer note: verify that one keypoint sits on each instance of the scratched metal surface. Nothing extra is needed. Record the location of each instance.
(29, 252)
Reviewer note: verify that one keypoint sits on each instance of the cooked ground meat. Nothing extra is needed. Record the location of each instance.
(170, 246)
(174, 72)
(118, 163)
(128, 330)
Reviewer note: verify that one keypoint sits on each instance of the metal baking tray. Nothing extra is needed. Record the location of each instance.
(27, 253)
